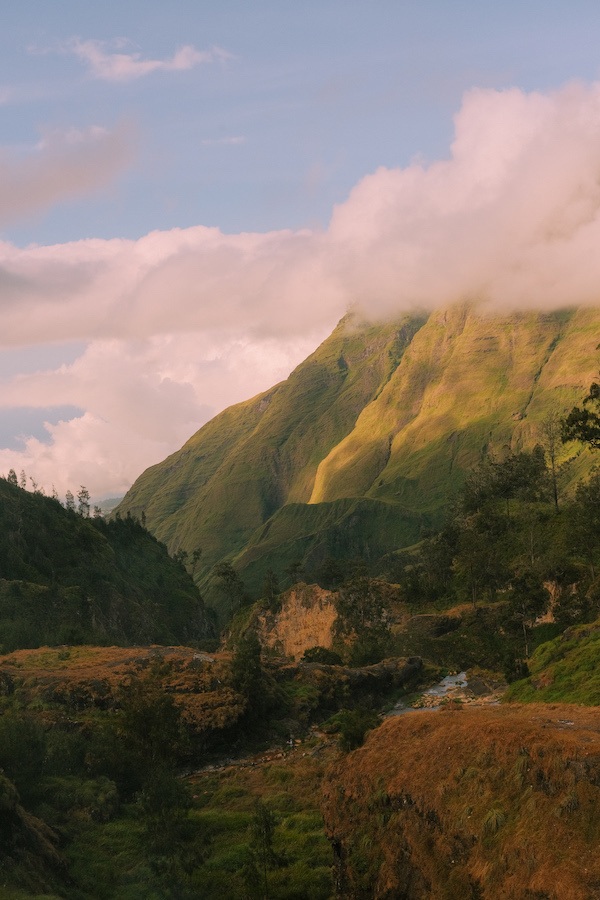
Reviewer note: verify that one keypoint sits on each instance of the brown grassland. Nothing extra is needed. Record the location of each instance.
(481, 803)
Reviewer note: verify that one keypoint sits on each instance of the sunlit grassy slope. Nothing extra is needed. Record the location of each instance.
(253, 458)
(368, 439)
(564, 670)
(467, 383)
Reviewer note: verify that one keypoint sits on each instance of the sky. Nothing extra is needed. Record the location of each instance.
(193, 194)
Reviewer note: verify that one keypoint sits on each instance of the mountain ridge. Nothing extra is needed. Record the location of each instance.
(363, 445)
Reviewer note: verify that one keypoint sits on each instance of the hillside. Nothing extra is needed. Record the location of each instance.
(477, 803)
(69, 579)
(363, 446)
(564, 670)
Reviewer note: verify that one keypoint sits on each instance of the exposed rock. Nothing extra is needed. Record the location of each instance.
(306, 619)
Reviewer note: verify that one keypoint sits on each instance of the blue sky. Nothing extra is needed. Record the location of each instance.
(312, 97)
(119, 120)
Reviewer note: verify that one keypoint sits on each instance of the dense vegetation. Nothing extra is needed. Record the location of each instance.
(513, 555)
(93, 746)
(68, 578)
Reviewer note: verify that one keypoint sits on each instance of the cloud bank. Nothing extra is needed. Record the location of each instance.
(110, 65)
(181, 323)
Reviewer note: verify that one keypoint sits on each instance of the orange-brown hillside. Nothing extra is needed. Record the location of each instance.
(80, 678)
(479, 803)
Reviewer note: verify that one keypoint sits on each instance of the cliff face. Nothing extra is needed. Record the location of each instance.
(478, 803)
(306, 619)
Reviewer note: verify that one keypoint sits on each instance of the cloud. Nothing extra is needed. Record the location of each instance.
(63, 166)
(184, 322)
(510, 219)
(110, 65)
(143, 399)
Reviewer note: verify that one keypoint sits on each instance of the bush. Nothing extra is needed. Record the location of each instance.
(322, 655)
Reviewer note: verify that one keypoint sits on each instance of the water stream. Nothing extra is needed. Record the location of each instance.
(449, 685)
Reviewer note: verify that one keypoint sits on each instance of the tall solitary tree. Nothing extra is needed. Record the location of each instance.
(83, 502)
(551, 441)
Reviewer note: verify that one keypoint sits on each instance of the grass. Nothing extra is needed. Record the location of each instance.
(291, 789)
(108, 859)
(489, 802)
(564, 670)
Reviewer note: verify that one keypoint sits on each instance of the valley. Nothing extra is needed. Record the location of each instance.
(342, 644)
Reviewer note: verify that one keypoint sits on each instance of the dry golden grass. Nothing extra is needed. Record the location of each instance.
(82, 678)
(491, 803)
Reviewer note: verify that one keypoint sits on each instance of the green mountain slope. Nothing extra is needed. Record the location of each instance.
(467, 384)
(368, 439)
(257, 456)
(69, 579)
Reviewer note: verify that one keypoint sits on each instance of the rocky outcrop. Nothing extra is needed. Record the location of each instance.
(306, 619)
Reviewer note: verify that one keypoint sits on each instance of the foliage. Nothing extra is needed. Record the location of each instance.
(361, 622)
(583, 424)
(67, 578)
(352, 726)
(322, 655)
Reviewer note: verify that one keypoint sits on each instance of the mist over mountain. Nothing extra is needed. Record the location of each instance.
(364, 446)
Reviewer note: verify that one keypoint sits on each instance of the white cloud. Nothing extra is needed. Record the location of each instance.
(144, 399)
(511, 218)
(182, 323)
(109, 65)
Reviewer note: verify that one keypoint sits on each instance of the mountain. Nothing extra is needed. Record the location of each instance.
(366, 442)
(69, 579)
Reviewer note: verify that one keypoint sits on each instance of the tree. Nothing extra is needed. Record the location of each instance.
(70, 501)
(262, 831)
(519, 475)
(585, 521)
(196, 554)
(330, 573)
(270, 590)
(528, 600)
(471, 562)
(12, 477)
(231, 584)
(294, 570)
(83, 502)
(583, 424)
(362, 619)
(181, 556)
(551, 432)
(23, 480)
(246, 670)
